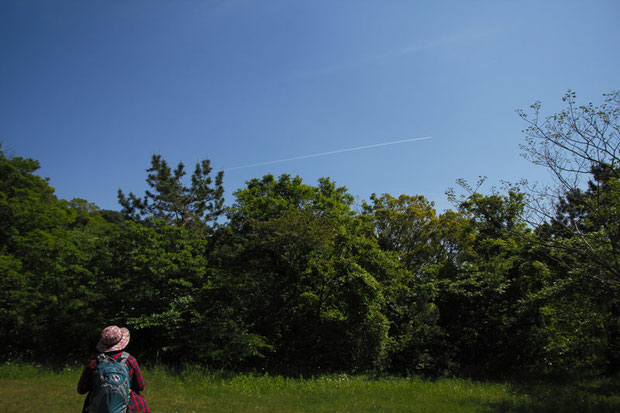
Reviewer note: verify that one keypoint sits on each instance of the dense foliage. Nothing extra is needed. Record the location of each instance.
(296, 278)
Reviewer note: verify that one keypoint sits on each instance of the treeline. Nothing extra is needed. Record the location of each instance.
(297, 278)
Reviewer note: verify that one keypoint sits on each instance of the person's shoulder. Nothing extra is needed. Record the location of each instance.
(131, 359)
(123, 354)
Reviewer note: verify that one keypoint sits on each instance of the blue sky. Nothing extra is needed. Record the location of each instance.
(93, 89)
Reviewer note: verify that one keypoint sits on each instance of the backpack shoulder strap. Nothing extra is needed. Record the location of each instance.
(123, 358)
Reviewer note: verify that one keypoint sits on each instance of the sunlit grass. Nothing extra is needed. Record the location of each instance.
(27, 388)
(195, 392)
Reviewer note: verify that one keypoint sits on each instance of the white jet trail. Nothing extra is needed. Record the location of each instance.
(328, 153)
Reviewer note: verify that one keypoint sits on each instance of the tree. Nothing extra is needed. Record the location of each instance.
(484, 285)
(579, 223)
(408, 229)
(268, 197)
(170, 199)
(407, 225)
(306, 277)
(572, 142)
(580, 142)
(47, 248)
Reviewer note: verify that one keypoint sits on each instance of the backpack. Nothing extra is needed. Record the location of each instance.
(110, 385)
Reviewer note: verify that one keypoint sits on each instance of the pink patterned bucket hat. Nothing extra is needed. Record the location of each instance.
(113, 338)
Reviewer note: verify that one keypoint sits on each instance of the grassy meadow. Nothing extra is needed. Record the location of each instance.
(28, 388)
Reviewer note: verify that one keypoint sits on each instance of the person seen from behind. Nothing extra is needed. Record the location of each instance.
(113, 379)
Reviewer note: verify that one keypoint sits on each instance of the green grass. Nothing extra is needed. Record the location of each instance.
(27, 388)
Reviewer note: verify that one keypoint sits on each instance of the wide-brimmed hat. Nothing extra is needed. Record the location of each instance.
(113, 338)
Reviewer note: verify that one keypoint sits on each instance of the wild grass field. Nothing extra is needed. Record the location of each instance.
(29, 388)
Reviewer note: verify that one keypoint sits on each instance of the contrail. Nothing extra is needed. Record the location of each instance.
(328, 153)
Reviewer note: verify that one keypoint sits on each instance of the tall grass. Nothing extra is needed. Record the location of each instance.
(28, 388)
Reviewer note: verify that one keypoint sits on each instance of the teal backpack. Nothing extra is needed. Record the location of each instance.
(110, 385)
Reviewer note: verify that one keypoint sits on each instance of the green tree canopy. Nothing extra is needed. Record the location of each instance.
(171, 200)
(308, 275)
